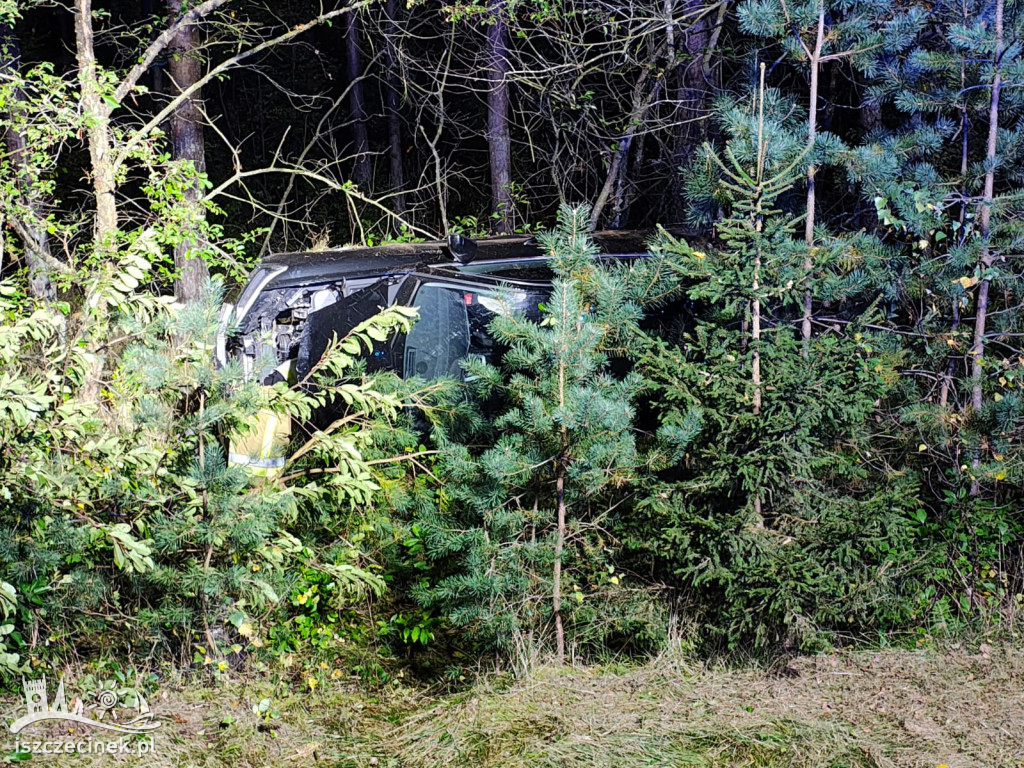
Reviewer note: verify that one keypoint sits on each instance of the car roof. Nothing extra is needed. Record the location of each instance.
(493, 254)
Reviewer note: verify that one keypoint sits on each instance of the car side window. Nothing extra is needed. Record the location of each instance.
(453, 325)
(441, 338)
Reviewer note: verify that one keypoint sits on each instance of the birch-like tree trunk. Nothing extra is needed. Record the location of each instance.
(96, 117)
(812, 133)
(755, 286)
(985, 230)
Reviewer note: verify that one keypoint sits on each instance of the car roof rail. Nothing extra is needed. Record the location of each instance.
(462, 249)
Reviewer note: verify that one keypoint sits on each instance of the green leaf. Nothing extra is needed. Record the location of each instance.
(8, 599)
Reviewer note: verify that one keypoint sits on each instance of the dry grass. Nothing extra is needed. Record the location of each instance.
(849, 710)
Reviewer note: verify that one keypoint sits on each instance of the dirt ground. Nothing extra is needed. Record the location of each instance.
(957, 707)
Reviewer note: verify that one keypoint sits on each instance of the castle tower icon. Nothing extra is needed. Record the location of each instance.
(35, 696)
(39, 707)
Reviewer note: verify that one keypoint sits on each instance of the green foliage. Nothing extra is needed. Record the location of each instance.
(127, 507)
(927, 177)
(320, 600)
(775, 523)
(563, 440)
(850, 30)
(419, 627)
(664, 424)
(8, 603)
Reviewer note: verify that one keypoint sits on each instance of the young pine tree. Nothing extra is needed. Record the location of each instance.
(776, 523)
(815, 35)
(519, 527)
(948, 188)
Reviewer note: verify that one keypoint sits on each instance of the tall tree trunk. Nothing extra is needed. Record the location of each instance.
(498, 140)
(755, 341)
(392, 104)
(691, 81)
(34, 238)
(985, 230)
(149, 16)
(614, 183)
(357, 99)
(755, 324)
(560, 474)
(694, 76)
(694, 89)
(755, 287)
(812, 133)
(187, 145)
(96, 116)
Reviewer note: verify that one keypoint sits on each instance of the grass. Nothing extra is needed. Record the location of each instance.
(875, 709)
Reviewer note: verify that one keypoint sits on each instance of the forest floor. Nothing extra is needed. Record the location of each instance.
(954, 707)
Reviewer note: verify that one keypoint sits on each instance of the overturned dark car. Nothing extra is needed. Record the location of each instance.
(295, 304)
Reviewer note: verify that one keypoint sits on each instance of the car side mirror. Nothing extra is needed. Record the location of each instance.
(462, 249)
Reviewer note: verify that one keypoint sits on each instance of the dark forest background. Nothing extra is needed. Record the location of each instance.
(607, 104)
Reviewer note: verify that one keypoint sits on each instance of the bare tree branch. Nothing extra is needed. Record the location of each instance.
(162, 41)
(223, 67)
(326, 181)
